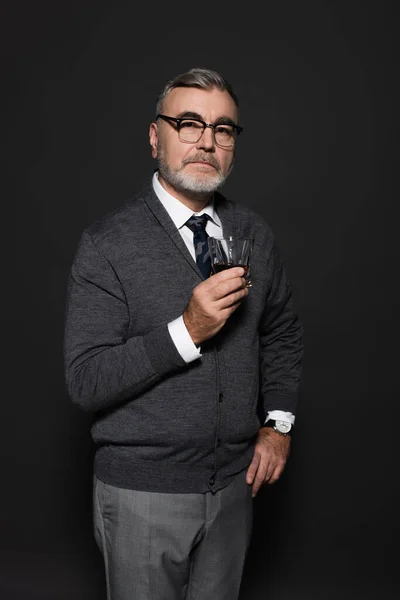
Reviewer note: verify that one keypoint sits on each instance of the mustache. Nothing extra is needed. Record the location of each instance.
(211, 160)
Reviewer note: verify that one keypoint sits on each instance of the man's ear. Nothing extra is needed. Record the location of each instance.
(153, 137)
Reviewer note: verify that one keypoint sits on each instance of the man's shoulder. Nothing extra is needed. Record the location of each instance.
(123, 218)
(244, 213)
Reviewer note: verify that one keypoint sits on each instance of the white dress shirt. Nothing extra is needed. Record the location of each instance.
(180, 214)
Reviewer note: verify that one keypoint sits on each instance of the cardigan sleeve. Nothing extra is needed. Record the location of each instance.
(103, 367)
(281, 341)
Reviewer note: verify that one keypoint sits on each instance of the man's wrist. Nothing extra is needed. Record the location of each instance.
(281, 427)
(183, 341)
(186, 321)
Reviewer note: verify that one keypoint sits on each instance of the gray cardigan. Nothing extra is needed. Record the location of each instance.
(160, 424)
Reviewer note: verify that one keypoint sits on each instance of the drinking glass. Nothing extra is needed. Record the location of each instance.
(228, 252)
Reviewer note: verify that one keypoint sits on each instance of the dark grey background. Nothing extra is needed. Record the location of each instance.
(316, 81)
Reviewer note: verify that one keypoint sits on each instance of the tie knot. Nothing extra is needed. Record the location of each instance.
(197, 223)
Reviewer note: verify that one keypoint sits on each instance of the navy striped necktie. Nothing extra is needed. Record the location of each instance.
(200, 236)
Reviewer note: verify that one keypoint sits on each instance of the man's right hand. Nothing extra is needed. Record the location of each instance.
(212, 303)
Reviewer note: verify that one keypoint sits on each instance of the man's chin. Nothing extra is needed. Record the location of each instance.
(191, 180)
(201, 184)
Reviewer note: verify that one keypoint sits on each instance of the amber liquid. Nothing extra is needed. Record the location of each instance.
(218, 267)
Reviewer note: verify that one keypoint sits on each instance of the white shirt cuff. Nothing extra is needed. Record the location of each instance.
(280, 415)
(182, 340)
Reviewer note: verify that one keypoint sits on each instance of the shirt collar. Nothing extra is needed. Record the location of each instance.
(178, 212)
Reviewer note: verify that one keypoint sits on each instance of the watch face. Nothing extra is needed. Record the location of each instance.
(283, 426)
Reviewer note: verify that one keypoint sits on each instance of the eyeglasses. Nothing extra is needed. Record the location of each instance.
(191, 130)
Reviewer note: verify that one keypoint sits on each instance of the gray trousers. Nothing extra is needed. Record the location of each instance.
(173, 546)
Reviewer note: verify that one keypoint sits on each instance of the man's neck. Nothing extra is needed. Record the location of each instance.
(196, 201)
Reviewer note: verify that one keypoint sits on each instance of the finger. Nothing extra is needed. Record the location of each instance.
(228, 274)
(274, 470)
(231, 299)
(231, 309)
(275, 475)
(269, 473)
(234, 306)
(259, 478)
(252, 470)
(224, 276)
(226, 287)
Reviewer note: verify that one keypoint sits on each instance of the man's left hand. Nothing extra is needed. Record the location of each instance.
(270, 455)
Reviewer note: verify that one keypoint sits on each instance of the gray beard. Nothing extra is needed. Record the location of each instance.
(183, 182)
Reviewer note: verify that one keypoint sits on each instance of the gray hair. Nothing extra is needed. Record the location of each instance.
(204, 79)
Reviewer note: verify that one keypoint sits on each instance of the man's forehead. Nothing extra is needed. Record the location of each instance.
(203, 102)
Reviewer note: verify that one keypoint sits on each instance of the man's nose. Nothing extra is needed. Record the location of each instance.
(206, 141)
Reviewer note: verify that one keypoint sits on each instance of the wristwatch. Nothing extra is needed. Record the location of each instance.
(282, 427)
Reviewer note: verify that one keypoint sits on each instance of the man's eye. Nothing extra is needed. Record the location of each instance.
(224, 129)
(190, 125)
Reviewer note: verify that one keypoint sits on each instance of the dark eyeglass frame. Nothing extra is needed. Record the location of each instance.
(178, 122)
